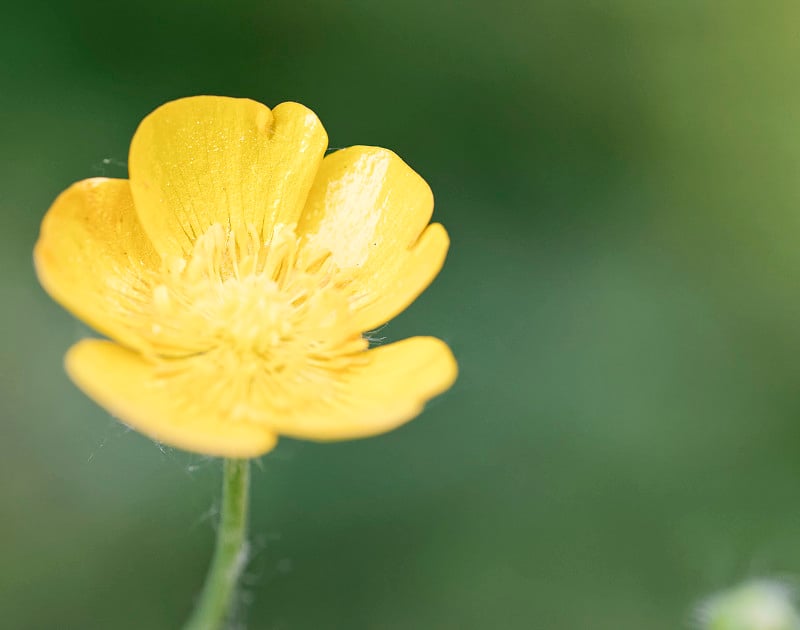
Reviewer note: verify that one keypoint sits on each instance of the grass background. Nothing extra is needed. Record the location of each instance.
(620, 181)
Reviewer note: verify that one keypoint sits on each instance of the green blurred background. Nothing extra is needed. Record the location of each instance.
(620, 181)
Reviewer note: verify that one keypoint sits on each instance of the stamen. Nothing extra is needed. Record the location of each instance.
(258, 324)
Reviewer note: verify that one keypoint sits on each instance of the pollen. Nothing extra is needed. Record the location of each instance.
(254, 322)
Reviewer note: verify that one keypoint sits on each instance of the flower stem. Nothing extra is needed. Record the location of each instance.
(230, 554)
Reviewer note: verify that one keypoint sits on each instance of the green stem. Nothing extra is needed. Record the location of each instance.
(230, 555)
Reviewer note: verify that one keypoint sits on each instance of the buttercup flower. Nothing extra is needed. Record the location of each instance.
(236, 273)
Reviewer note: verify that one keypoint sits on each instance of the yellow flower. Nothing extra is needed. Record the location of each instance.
(237, 271)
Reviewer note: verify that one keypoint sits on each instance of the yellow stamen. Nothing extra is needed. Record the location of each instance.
(238, 312)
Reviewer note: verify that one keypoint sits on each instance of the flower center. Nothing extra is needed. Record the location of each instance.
(257, 324)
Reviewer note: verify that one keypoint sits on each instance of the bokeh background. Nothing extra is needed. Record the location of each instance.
(621, 181)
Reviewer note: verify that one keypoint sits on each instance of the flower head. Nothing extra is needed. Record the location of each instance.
(755, 605)
(236, 273)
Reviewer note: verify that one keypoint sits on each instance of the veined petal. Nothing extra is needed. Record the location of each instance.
(92, 255)
(390, 388)
(203, 160)
(369, 208)
(131, 389)
(401, 285)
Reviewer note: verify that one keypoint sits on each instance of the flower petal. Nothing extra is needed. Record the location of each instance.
(203, 160)
(92, 254)
(129, 387)
(402, 284)
(368, 208)
(389, 389)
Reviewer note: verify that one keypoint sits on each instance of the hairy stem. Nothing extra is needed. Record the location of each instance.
(230, 555)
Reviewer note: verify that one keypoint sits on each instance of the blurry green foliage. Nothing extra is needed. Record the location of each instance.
(620, 181)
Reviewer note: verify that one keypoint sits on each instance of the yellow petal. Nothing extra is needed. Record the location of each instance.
(390, 388)
(92, 254)
(400, 285)
(130, 389)
(203, 160)
(368, 208)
